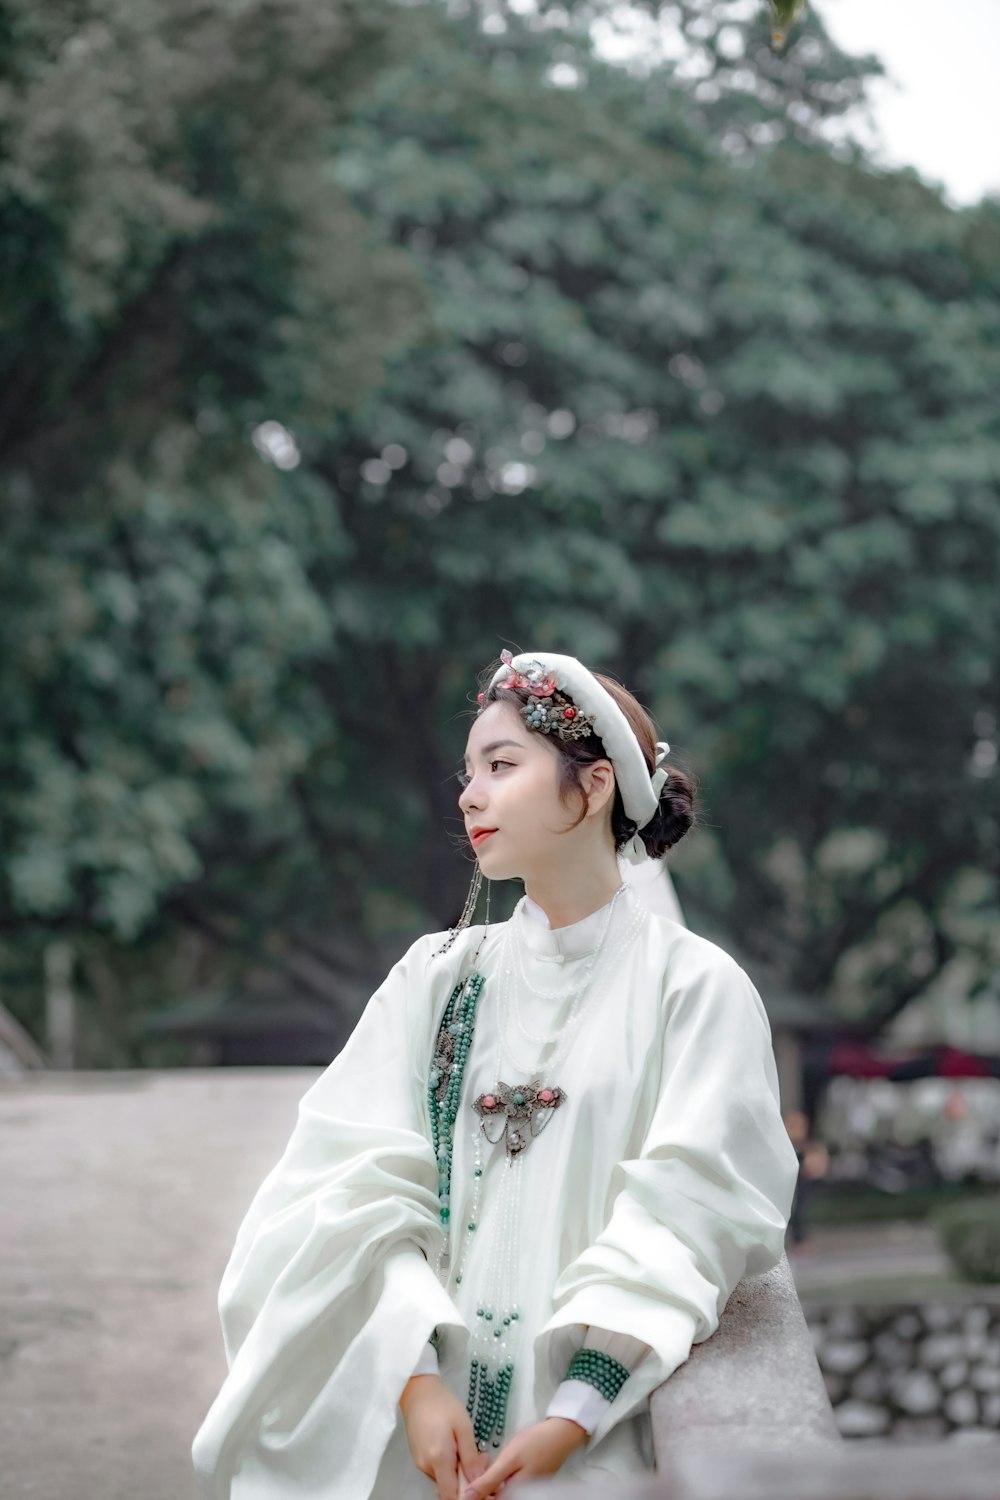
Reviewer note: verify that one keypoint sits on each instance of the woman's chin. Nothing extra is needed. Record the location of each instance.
(494, 867)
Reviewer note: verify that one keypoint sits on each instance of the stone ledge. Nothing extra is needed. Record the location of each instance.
(861, 1471)
(755, 1383)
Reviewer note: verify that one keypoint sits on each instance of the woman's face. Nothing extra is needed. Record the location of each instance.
(513, 789)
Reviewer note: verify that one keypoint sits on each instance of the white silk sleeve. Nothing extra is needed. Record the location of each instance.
(627, 1351)
(579, 1402)
(704, 1201)
(582, 1402)
(428, 1363)
(330, 1295)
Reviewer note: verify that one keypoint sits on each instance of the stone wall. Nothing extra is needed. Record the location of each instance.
(911, 1372)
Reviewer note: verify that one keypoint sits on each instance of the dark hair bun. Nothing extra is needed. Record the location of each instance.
(674, 816)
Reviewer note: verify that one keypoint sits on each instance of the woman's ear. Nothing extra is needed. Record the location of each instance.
(599, 784)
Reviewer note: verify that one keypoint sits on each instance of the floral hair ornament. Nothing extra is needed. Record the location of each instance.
(548, 709)
(558, 684)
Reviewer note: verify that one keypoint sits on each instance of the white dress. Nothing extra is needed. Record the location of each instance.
(664, 1177)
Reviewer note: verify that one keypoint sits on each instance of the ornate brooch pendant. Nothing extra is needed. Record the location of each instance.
(515, 1115)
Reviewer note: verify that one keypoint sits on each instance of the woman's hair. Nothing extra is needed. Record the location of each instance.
(676, 811)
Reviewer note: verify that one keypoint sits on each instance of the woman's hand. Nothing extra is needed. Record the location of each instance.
(542, 1448)
(440, 1435)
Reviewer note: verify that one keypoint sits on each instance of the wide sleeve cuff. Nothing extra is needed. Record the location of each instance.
(627, 1351)
(583, 1403)
(430, 1306)
(428, 1363)
(668, 1329)
(579, 1402)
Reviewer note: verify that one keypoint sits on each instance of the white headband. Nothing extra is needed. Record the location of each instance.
(640, 790)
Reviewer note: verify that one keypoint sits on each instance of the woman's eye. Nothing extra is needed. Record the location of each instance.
(463, 778)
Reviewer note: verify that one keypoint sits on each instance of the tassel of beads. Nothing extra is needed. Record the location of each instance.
(487, 1403)
(467, 912)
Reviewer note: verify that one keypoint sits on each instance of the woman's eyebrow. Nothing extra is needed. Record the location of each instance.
(497, 745)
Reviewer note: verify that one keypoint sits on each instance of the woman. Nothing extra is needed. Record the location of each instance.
(537, 1170)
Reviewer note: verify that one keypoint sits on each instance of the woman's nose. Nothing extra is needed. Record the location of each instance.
(469, 798)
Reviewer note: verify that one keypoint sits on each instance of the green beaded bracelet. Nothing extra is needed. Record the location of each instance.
(599, 1370)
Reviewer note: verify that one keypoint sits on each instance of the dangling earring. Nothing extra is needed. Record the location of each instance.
(468, 911)
(486, 924)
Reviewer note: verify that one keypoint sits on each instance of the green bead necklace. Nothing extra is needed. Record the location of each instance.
(447, 1074)
(489, 1389)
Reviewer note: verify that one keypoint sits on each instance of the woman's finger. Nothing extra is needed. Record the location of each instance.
(446, 1478)
(473, 1462)
(487, 1484)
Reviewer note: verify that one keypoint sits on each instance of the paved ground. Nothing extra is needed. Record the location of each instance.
(121, 1195)
(845, 1257)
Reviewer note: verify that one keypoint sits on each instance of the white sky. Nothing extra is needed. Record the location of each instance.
(941, 112)
(937, 110)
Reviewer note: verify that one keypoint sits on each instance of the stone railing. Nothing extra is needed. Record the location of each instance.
(754, 1384)
(847, 1471)
(748, 1415)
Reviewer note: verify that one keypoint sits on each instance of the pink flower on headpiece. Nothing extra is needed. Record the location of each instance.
(535, 680)
(539, 682)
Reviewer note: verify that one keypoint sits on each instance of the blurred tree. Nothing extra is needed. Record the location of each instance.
(696, 394)
(172, 243)
(734, 393)
(177, 265)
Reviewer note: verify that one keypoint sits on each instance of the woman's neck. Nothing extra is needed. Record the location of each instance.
(571, 895)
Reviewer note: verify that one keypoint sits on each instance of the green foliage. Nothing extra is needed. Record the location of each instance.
(178, 266)
(759, 378)
(171, 242)
(784, 13)
(626, 362)
(970, 1234)
(843, 1203)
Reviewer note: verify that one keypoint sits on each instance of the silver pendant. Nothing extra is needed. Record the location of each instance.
(517, 1114)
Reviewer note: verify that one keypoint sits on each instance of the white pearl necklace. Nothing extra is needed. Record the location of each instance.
(496, 1320)
(443, 1265)
(595, 953)
(603, 959)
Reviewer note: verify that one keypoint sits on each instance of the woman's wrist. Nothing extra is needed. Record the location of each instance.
(410, 1388)
(573, 1434)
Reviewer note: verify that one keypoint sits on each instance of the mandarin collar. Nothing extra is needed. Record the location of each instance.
(557, 944)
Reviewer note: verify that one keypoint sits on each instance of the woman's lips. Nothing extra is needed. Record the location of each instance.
(485, 833)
